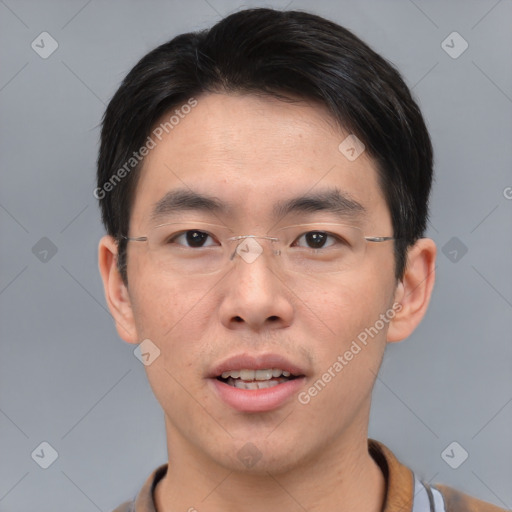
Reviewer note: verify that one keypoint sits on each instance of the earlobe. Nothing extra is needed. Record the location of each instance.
(414, 291)
(116, 292)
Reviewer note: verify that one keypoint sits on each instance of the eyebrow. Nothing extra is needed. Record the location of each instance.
(330, 200)
(177, 201)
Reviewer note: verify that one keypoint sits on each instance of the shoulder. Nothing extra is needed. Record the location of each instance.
(457, 501)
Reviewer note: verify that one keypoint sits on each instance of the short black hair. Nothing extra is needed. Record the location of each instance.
(283, 54)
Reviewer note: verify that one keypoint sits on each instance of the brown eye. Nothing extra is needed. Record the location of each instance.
(316, 239)
(192, 238)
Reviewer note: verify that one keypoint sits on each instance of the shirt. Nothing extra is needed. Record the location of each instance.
(405, 492)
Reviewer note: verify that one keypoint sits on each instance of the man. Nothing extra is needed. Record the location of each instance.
(264, 186)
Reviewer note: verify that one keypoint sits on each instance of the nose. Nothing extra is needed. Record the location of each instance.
(256, 295)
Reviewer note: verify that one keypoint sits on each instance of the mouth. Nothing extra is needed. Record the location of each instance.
(256, 383)
(256, 379)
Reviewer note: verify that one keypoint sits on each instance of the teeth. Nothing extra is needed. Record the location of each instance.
(259, 375)
(247, 374)
(246, 385)
(240, 384)
(263, 374)
(276, 372)
(234, 374)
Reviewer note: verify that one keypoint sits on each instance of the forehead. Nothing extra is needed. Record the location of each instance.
(253, 156)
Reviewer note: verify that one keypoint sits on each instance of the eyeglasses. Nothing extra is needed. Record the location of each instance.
(198, 248)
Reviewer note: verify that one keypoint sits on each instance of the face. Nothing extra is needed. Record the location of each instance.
(250, 154)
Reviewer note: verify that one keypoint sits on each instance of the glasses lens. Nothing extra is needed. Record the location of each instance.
(321, 248)
(188, 248)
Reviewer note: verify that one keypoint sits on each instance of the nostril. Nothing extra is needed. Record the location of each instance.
(272, 318)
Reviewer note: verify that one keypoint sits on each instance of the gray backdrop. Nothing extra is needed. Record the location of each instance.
(66, 379)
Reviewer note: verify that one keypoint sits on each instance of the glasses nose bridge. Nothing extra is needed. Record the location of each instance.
(251, 249)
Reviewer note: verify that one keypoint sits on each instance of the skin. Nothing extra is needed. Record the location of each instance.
(251, 152)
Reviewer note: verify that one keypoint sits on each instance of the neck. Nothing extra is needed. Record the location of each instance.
(344, 478)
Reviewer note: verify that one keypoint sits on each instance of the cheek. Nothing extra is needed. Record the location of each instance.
(348, 355)
(349, 342)
(175, 318)
(342, 306)
(163, 306)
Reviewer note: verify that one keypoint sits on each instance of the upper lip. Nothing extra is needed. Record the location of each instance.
(255, 362)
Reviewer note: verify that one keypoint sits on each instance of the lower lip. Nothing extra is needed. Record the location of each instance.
(257, 400)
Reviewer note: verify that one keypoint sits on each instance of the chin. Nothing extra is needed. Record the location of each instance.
(259, 456)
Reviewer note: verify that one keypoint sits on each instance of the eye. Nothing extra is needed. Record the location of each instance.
(192, 238)
(318, 239)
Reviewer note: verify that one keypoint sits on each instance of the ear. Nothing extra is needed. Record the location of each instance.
(415, 290)
(116, 292)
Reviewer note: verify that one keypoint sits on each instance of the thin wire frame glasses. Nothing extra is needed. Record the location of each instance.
(198, 248)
